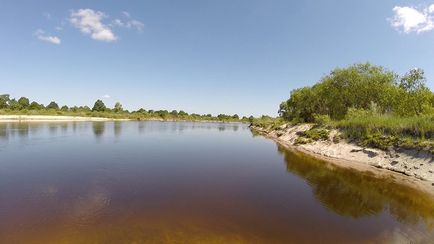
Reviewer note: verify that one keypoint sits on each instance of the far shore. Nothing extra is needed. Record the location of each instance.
(349, 155)
(48, 118)
(63, 118)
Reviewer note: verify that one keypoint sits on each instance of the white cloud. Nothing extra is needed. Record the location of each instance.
(126, 14)
(128, 22)
(40, 34)
(106, 96)
(431, 9)
(90, 23)
(410, 19)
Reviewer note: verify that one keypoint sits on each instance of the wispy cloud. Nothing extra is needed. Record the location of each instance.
(126, 14)
(128, 22)
(90, 23)
(47, 15)
(409, 19)
(42, 36)
(106, 96)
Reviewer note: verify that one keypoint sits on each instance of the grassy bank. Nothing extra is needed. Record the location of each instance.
(383, 131)
(378, 131)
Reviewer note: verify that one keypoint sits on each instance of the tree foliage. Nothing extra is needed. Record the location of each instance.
(36, 106)
(24, 102)
(99, 106)
(53, 105)
(4, 101)
(360, 86)
(118, 107)
(23, 106)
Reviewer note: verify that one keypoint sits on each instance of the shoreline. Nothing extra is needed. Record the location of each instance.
(52, 118)
(348, 155)
(66, 118)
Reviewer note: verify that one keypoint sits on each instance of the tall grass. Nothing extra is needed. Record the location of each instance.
(268, 123)
(421, 127)
(384, 131)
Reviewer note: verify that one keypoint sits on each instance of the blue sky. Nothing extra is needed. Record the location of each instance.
(234, 56)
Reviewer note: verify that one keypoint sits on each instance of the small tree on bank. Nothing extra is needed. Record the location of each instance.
(24, 102)
(99, 106)
(118, 107)
(4, 100)
(53, 105)
(36, 106)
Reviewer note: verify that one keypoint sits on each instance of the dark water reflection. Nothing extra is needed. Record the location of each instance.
(98, 128)
(164, 182)
(350, 193)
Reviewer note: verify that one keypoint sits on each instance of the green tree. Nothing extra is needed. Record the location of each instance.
(356, 86)
(118, 107)
(182, 113)
(14, 105)
(4, 100)
(141, 110)
(162, 113)
(99, 106)
(53, 105)
(413, 81)
(24, 102)
(74, 109)
(84, 108)
(64, 108)
(35, 106)
(413, 96)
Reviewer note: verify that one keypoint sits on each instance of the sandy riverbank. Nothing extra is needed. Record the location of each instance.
(47, 118)
(409, 166)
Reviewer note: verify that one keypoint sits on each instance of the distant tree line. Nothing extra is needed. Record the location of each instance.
(23, 105)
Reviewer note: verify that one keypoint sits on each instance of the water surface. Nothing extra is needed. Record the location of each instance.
(170, 182)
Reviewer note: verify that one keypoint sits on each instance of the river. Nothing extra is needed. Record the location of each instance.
(181, 182)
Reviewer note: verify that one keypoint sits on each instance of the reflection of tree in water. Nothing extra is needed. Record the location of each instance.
(74, 127)
(22, 129)
(235, 127)
(53, 128)
(64, 127)
(117, 127)
(98, 128)
(35, 128)
(4, 131)
(348, 192)
(142, 127)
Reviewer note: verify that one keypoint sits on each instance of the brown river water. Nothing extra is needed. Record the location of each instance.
(180, 182)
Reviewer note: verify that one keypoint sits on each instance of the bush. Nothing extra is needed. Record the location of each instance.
(302, 140)
(317, 134)
(322, 120)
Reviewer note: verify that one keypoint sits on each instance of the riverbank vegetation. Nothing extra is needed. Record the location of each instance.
(23, 106)
(368, 103)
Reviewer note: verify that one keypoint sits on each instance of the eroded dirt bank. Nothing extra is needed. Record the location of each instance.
(416, 165)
